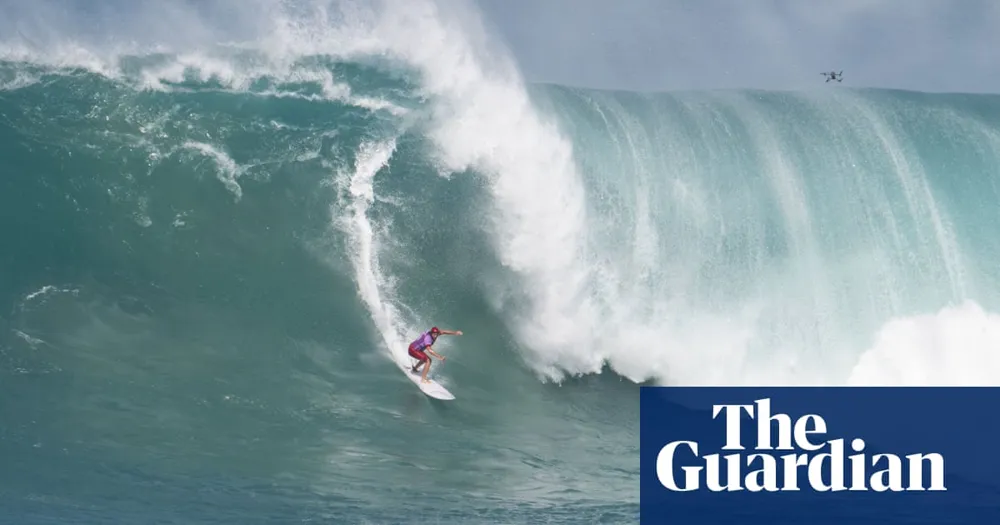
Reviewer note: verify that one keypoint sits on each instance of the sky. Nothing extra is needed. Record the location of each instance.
(662, 45)
(646, 45)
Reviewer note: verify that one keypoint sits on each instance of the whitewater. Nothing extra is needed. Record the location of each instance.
(223, 223)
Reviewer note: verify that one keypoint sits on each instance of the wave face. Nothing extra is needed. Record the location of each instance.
(213, 255)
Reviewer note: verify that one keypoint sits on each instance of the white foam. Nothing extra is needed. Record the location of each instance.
(12, 81)
(228, 170)
(45, 291)
(374, 287)
(957, 346)
(484, 119)
(580, 302)
(146, 52)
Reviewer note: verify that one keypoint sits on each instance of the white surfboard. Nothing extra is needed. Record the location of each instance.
(433, 389)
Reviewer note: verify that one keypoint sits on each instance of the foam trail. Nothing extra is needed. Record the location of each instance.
(485, 120)
(358, 187)
(228, 170)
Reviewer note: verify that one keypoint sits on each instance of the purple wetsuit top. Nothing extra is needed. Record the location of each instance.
(425, 340)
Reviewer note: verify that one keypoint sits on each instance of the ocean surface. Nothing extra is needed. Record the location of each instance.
(212, 257)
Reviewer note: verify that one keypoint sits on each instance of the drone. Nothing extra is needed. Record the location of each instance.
(832, 75)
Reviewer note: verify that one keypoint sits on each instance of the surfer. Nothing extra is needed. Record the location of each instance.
(424, 343)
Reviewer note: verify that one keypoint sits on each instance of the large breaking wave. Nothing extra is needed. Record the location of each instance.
(235, 237)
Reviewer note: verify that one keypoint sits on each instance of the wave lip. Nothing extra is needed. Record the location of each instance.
(762, 238)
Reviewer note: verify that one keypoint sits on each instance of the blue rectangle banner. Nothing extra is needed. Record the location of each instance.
(818, 455)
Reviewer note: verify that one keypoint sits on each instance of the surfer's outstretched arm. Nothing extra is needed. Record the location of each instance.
(451, 332)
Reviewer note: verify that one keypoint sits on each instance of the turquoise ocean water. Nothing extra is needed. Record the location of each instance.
(212, 254)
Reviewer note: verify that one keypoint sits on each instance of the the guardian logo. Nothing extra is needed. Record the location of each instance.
(802, 441)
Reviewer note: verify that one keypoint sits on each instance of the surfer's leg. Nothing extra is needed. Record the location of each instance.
(427, 368)
(419, 355)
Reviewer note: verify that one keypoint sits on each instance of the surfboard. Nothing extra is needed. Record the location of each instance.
(432, 389)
